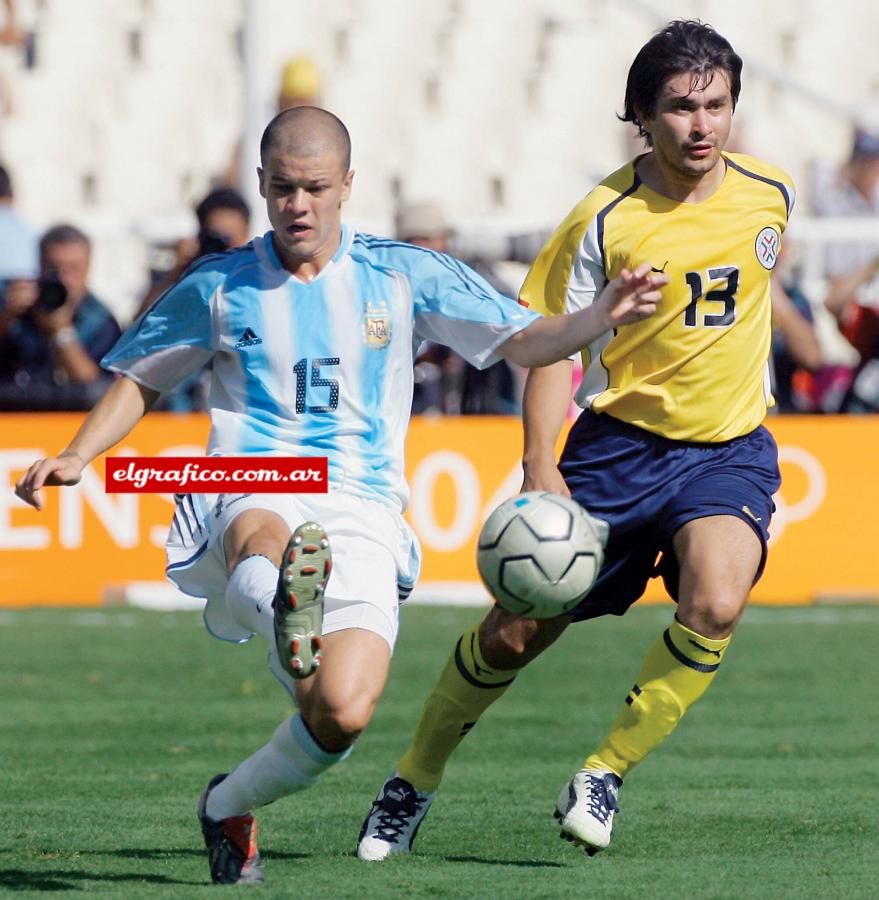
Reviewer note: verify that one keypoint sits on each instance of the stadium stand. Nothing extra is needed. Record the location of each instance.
(132, 107)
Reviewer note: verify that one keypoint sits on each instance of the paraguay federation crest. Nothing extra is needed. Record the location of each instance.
(767, 247)
(377, 324)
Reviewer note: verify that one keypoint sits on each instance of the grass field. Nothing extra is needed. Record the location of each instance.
(113, 722)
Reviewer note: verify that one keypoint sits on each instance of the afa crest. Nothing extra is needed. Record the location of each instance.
(377, 325)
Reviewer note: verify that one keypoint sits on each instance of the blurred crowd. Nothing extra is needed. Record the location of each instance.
(54, 330)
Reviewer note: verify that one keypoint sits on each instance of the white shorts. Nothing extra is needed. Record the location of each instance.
(376, 557)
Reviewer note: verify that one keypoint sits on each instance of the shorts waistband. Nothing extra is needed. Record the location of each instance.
(606, 420)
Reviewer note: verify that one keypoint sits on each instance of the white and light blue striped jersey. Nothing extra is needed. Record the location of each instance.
(320, 368)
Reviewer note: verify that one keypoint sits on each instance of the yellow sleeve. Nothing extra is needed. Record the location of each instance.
(546, 286)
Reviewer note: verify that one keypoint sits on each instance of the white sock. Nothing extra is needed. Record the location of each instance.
(291, 761)
(249, 594)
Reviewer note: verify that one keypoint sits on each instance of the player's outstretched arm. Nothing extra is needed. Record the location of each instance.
(630, 297)
(115, 414)
(544, 407)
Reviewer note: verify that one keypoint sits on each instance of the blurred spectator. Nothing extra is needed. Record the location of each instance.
(18, 243)
(300, 85)
(852, 192)
(9, 32)
(54, 331)
(223, 223)
(796, 353)
(11, 37)
(444, 382)
(853, 296)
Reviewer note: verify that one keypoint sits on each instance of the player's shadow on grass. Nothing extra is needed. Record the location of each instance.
(522, 863)
(171, 852)
(71, 880)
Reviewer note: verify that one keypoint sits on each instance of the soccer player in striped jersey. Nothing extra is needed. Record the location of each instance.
(669, 450)
(311, 332)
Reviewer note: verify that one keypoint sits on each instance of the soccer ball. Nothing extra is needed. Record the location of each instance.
(540, 553)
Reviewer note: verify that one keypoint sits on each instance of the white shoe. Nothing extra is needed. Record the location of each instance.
(393, 821)
(586, 807)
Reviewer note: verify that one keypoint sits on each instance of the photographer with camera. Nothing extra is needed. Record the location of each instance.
(54, 330)
(223, 224)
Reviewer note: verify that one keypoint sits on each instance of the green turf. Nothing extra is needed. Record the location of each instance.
(113, 722)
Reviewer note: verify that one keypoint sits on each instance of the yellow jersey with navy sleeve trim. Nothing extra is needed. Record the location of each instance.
(697, 370)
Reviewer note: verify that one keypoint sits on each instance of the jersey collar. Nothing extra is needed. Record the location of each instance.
(344, 246)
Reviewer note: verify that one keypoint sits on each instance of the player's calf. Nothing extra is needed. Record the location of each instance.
(299, 600)
(586, 807)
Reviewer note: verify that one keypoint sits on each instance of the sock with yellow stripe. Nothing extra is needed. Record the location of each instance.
(675, 673)
(466, 688)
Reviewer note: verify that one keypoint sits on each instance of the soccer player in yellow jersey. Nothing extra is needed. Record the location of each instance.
(669, 450)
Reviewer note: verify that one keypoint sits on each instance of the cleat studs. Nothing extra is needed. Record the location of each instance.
(316, 643)
(307, 570)
(315, 663)
(294, 646)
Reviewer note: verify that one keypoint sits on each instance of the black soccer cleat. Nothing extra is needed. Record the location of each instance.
(232, 852)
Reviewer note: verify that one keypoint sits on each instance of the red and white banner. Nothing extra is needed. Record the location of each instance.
(89, 541)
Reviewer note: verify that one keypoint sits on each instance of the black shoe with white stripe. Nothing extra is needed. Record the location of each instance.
(393, 821)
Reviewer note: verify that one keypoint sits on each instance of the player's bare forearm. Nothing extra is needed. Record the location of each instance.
(544, 408)
(115, 414)
(629, 297)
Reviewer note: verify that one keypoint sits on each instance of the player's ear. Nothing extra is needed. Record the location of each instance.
(260, 173)
(346, 186)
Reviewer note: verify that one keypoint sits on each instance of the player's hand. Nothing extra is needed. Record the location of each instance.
(544, 477)
(631, 296)
(53, 471)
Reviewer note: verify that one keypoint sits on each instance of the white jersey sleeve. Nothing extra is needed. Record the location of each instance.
(175, 336)
(455, 306)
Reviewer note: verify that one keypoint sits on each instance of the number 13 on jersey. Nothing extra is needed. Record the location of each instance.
(714, 317)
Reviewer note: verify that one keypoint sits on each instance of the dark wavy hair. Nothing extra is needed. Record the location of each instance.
(685, 45)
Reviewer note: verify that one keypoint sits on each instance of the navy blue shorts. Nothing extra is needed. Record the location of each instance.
(646, 487)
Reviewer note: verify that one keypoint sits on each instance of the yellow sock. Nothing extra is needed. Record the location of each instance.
(466, 688)
(675, 673)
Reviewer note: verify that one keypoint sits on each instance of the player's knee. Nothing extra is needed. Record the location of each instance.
(255, 532)
(715, 616)
(339, 723)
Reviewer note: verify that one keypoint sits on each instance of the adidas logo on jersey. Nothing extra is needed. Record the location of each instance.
(248, 339)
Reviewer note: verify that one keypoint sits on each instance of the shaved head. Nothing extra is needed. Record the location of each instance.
(306, 131)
